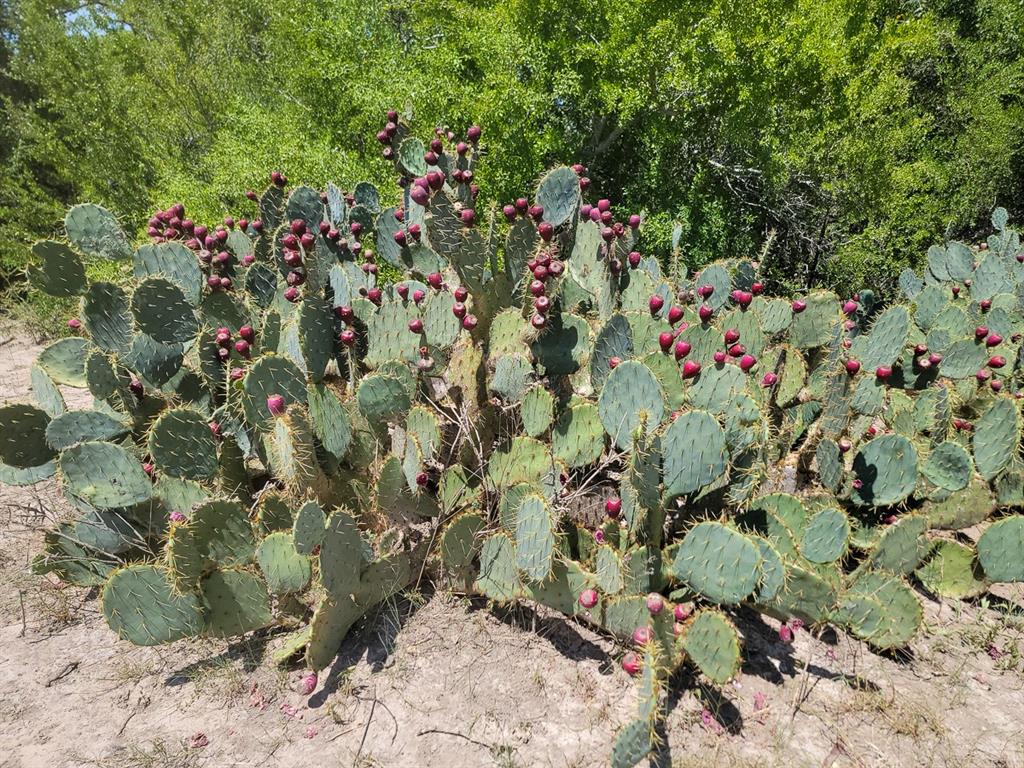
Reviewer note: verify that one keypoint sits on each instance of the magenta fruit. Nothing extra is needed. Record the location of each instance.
(690, 369)
(655, 603)
(613, 506)
(588, 598)
(275, 404)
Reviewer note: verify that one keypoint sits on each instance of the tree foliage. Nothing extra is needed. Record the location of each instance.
(857, 131)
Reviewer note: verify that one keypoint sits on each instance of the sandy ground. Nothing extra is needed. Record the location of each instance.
(438, 680)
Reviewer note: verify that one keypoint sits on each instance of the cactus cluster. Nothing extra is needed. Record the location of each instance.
(531, 410)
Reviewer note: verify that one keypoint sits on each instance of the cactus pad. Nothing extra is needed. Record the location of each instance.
(103, 475)
(535, 538)
(94, 231)
(825, 536)
(81, 426)
(631, 396)
(216, 534)
(162, 311)
(718, 562)
(1001, 549)
(948, 466)
(578, 437)
(284, 569)
(23, 441)
(182, 445)
(61, 273)
(142, 608)
(234, 602)
(887, 469)
(713, 645)
(952, 571)
(996, 438)
(498, 579)
(695, 453)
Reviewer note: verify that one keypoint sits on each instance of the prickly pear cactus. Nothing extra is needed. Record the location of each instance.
(300, 411)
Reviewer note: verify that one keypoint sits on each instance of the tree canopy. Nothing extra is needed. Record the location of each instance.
(839, 138)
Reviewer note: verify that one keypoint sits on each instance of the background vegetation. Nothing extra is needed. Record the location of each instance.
(859, 131)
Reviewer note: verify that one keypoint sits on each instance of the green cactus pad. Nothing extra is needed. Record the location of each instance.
(45, 392)
(825, 537)
(316, 335)
(174, 262)
(773, 572)
(336, 614)
(23, 441)
(805, 595)
(608, 569)
(64, 361)
(830, 464)
(511, 378)
(996, 438)
(61, 273)
(182, 445)
(868, 396)
(216, 534)
(1001, 549)
(290, 451)
(142, 608)
(666, 371)
(524, 460)
(880, 609)
(537, 411)
(382, 398)
(284, 569)
(177, 495)
(340, 555)
(155, 363)
(578, 436)
(816, 325)
(389, 335)
(100, 376)
(562, 589)
(309, 528)
(94, 231)
(460, 545)
(103, 475)
(902, 546)
(81, 426)
(716, 388)
(458, 489)
(535, 538)
(329, 420)
(952, 571)
(631, 395)
(963, 359)
(162, 311)
(564, 344)
(948, 466)
(614, 340)
(559, 194)
(234, 602)
(717, 276)
(713, 645)
(271, 375)
(775, 314)
(884, 344)
(887, 469)
(394, 496)
(695, 453)
(633, 744)
(718, 562)
(498, 579)
(107, 318)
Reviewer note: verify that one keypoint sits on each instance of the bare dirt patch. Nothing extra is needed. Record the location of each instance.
(439, 680)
